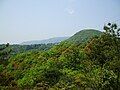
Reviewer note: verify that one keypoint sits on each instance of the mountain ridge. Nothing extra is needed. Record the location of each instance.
(45, 41)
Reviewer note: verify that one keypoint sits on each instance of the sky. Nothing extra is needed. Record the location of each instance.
(25, 20)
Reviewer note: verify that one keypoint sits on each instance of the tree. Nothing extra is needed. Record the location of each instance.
(113, 30)
(104, 51)
(5, 79)
(100, 50)
(4, 53)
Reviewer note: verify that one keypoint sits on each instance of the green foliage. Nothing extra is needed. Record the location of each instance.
(1, 68)
(4, 53)
(92, 65)
(71, 58)
(35, 47)
(102, 49)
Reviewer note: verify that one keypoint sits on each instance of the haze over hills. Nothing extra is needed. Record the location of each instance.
(84, 35)
(79, 37)
(46, 41)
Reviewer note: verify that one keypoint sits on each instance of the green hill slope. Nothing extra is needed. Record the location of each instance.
(84, 35)
(66, 66)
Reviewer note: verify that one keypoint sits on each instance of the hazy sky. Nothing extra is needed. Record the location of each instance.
(24, 20)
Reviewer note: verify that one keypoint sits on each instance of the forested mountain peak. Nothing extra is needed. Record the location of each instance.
(84, 35)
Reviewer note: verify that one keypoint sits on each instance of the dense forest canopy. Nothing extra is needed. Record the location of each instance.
(89, 60)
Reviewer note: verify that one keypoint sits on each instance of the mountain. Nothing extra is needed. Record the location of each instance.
(84, 35)
(79, 37)
(46, 41)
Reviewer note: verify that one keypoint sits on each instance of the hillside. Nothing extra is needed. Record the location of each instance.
(84, 35)
(65, 66)
(46, 41)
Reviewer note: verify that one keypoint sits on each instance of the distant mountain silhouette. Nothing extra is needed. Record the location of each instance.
(46, 41)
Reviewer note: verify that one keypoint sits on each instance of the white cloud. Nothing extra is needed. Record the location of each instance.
(70, 11)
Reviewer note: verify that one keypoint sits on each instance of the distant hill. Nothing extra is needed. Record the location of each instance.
(46, 41)
(79, 37)
(83, 35)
